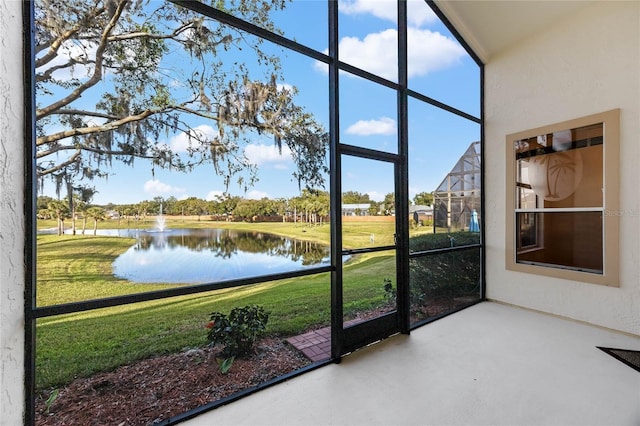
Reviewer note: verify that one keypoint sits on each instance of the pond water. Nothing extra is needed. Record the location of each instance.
(209, 255)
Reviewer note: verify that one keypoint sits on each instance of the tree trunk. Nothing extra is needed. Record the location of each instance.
(73, 223)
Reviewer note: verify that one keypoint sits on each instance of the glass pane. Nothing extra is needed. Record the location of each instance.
(444, 169)
(368, 203)
(303, 21)
(369, 286)
(561, 169)
(438, 66)
(368, 33)
(572, 240)
(299, 20)
(246, 120)
(146, 362)
(368, 114)
(442, 283)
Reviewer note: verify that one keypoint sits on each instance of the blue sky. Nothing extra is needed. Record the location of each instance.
(438, 67)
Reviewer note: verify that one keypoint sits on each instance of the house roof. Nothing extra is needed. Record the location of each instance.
(491, 26)
(420, 209)
(356, 206)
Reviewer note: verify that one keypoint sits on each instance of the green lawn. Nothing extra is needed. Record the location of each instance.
(73, 268)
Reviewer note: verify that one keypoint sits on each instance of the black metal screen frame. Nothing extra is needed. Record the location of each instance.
(32, 312)
(28, 34)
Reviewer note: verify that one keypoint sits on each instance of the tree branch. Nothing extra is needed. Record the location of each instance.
(142, 34)
(237, 123)
(112, 125)
(60, 166)
(55, 45)
(97, 73)
(80, 148)
(46, 75)
(97, 114)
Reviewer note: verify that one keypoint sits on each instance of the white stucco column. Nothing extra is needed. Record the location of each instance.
(11, 215)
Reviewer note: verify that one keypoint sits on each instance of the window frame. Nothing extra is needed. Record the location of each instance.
(610, 208)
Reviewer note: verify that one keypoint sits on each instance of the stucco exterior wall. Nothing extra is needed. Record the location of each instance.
(11, 216)
(586, 64)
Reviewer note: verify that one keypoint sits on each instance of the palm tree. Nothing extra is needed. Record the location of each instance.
(59, 210)
(79, 206)
(96, 213)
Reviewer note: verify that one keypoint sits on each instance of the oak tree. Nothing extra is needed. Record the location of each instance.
(116, 79)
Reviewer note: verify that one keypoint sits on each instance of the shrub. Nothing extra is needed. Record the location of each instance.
(239, 331)
(451, 274)
(389, 292)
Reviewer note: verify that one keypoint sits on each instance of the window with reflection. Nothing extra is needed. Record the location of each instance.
(563, 196)
(550, 169)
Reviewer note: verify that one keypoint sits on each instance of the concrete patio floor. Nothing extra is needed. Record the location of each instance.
(490, 364)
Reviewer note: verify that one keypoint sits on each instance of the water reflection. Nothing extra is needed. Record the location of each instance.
(208, 255)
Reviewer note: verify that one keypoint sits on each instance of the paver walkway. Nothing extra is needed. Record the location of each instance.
(316, 344)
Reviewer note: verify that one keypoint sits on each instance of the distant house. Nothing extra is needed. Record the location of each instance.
(423, 213)
(356, 209)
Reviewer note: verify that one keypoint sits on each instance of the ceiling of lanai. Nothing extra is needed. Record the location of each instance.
(492, 26)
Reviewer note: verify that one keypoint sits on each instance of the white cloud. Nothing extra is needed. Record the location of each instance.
(156, 188)
(418, 13)
(70, 50)
(431, 51)
(285, 86)
(213, 195)
(176, 84)
(321, 67)
(256, 195)
(376, 53)
(260, 154)
(381, 126)
(428, 51)
(182, 141)
(376, 196)
(81, 51)
(383, 9)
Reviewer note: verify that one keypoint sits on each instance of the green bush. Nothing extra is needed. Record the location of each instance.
(451, 274)
(239, 331)
(443, 240)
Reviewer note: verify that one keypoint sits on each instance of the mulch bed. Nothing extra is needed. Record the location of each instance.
(152, 390)
(156, 389)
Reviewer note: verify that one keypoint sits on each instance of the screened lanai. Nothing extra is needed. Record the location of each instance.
(458, 195)
(231, 107)
(472, 369)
